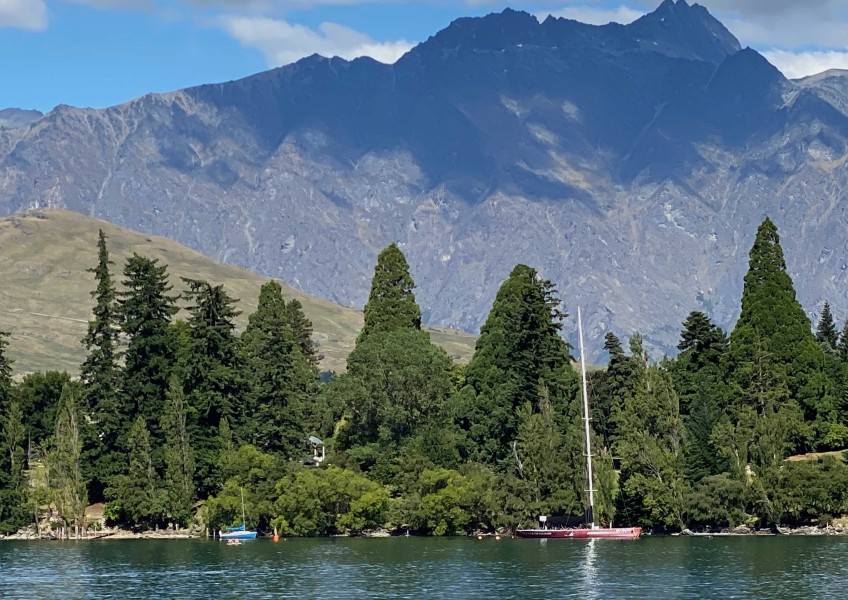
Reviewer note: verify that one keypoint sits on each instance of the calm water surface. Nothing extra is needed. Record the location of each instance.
(458, 568)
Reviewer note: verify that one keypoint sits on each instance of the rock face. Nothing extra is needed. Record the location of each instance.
(630, 164)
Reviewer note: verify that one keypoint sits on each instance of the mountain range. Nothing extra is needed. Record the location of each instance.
(630, 164)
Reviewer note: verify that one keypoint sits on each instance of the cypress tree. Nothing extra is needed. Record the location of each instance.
(772, 323)
(146, 310)
(13, 484)
(826, 331)
(391, 304)
(100, 379)
(213, 377)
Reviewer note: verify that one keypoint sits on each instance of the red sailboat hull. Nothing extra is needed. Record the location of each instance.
(612, 533)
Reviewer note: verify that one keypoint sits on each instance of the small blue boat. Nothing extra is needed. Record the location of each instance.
(240, 532)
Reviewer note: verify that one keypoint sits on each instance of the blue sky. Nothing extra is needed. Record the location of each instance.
(103, 52)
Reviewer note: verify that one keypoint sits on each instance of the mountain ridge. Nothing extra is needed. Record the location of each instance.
(633, 174)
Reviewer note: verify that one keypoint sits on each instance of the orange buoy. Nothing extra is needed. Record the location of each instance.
(276, 538)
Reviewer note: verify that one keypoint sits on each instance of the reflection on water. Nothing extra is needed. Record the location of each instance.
(455, 569)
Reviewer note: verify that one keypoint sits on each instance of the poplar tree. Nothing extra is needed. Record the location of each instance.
(650, 445)
(213, 377)
(146, 310)
(178, 455)
(65, 466)
(13, 485)
(100, 378)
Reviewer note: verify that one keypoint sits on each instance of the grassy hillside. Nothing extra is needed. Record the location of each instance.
(45, 300)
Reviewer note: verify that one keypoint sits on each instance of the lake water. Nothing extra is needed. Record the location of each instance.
(457, 568)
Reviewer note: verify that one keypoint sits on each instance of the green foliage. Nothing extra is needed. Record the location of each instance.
(391, 304)
(213, 377)
(405, 381)
(301, 328)
(774, 333)
(282, 380)
(329, 501)
(13, 486)
(100, 378)
(826, 332)
(66, 471)
(811, 491)
(178, 456)
(136, 495)
(146, 310)
(650, 445)
(518, 353)
(38, 394)
(698, 376)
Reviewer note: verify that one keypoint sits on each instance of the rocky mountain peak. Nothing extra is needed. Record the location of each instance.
(684, 31)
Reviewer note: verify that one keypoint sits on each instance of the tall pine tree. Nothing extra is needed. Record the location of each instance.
(213, 378)
(282, 380)
(146, 310)
(100, 378)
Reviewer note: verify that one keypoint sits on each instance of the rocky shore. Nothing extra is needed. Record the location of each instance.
(743, 530)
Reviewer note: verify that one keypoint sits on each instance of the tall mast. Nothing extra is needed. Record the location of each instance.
(586, 419)
(243, 521)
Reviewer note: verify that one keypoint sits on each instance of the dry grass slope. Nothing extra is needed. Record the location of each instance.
(45, 296)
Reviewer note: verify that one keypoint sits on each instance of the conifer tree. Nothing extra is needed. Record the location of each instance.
(100, 378)
(826, 331)
(301, 328)
(146, 310)
(213, 377)
(610, 389)
(13, 487)
(518, 351)
(282, 380)
(842, 345)
(699, 381)
(391, 304)
(772, 323)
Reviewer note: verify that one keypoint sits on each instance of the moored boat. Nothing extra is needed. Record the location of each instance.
(240, 532)
(592, 531)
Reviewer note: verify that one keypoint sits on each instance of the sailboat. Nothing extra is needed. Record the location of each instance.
(240, 532)
(593, 531)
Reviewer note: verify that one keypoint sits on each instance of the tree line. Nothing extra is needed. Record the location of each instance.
(172, 420)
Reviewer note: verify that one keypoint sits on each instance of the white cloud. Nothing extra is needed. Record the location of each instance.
(23, 14)
(282, 42)
(800, 64)
(595, 15)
